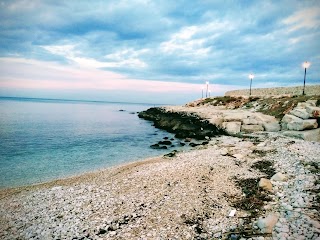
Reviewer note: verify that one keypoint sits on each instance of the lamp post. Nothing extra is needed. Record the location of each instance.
(305, 65)
(202, 92)
(207, 83)
(251, 76)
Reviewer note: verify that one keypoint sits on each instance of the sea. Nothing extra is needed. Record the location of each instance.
(45, 139)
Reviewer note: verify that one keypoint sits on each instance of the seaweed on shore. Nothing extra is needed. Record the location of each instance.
(254, 198)
(265, 167)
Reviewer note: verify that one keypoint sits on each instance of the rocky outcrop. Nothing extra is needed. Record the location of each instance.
(303, 121)
(198, 122)
(183, 124)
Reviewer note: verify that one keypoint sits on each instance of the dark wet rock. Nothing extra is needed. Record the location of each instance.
(165, 138)
(166, 142)
(121, 110)
(101, 231)
(194, 144)
(132, 113)
(157, 146)
(184, 125)
(172, 139)
(182, 144)
(205, 143)
(171, 154)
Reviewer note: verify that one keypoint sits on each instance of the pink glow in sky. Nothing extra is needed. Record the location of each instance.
(20, 73)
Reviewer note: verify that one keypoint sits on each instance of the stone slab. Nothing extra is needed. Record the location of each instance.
(308, 135)
(302, 125)
(251, 128)
(232, 127)
(271, 127)
(301, 113)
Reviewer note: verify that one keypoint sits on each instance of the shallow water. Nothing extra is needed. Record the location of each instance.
(42, 140)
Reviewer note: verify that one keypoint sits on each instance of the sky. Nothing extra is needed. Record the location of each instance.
(154, 51)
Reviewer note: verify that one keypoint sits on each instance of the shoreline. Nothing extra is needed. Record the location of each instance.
(187, 196)
(74, 178)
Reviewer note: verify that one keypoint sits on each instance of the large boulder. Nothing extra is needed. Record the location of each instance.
(251, 128)
(290, 118)
(232, 127)
(300, 112)
(250, 121)
(234, 116)
(271, 127)
(314, 112)
(216, 120)
(308, 135)
(302, 125)
(311, 102)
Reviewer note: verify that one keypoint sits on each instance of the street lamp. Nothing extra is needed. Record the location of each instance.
(202, 92)
(305, 65)
(207, 83)
(251, 76)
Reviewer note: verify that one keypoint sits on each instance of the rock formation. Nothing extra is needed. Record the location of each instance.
(303, 121)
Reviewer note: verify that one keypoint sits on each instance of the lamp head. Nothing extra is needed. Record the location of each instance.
(251, 76)
(306, 64)
(207, 82)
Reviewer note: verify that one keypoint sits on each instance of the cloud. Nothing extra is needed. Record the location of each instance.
(127, 57)
(38, 74)
(304, 19)
(162, 41)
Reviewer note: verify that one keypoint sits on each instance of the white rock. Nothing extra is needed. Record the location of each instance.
(311, 102)
(271, 127)
(301, 113)
(313, 111)
(251, 128)
(232, 127)
(308, 135)
(279, 177)
(284, 229)
(266, 224)
(302, 125)
(250, 121)
(289, 208)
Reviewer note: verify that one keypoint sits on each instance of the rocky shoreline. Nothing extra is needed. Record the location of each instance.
(183, 124)
(261, 185)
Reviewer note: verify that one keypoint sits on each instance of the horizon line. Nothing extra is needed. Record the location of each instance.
(77, 100)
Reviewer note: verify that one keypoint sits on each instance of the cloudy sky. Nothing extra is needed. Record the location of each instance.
(157, 51)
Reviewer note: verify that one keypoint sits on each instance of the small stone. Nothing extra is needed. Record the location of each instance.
(266, 224)
(265, 184)
(285, 229)
(289, 208)
(278, 177)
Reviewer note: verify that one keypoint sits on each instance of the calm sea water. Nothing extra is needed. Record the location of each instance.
(42, 140)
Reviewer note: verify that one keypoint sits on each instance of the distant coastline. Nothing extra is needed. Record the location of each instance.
(74, 100)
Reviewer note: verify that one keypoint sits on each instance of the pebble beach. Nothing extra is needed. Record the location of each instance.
(189, 196)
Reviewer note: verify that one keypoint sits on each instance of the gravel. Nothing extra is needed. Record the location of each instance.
(184, 197)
